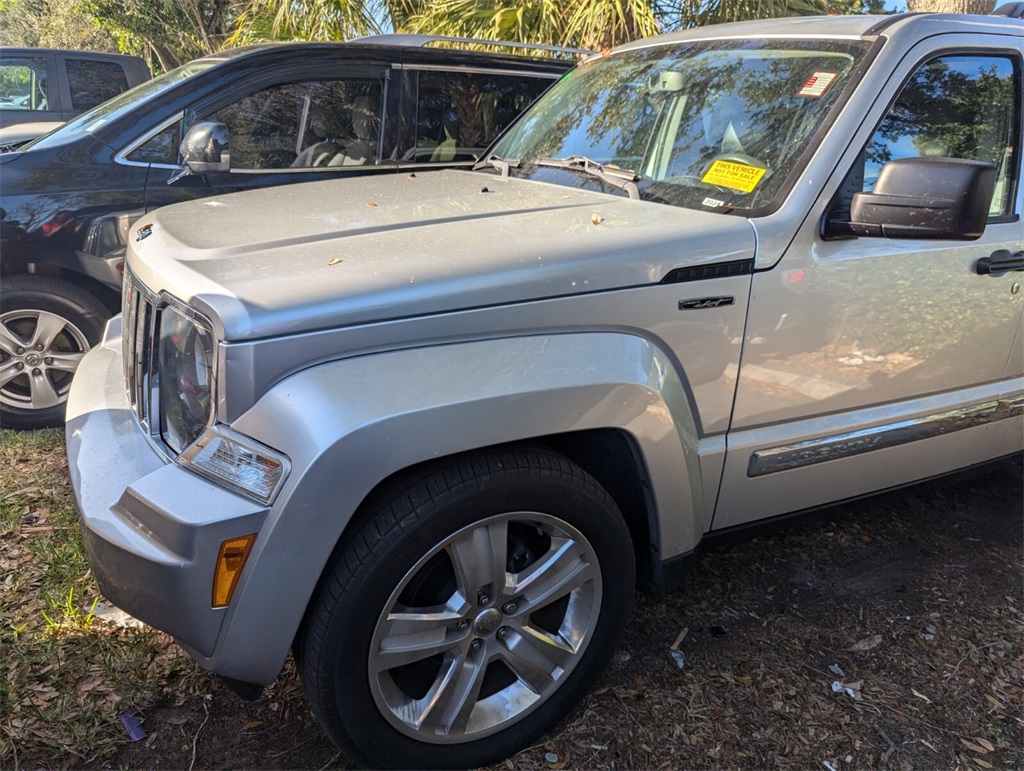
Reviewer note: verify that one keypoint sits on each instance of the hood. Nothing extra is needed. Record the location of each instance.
(297, 258)
(20, 133)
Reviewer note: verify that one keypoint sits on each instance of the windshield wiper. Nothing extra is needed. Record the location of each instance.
(501, 164)
(624, 179)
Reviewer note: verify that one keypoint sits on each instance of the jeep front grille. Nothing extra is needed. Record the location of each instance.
(139, 320)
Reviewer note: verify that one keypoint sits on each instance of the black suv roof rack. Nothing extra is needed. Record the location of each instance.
(1013, 10)
(422, 41)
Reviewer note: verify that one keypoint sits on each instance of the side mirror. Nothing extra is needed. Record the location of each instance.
(204, 149)
(941, 198)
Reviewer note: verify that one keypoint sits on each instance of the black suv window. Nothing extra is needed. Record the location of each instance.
(956, 106)
(459, 114)
(294, 125)
(161, 148)
(23, 84)
(93, 82)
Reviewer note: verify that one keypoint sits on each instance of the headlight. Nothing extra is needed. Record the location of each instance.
(185, 384)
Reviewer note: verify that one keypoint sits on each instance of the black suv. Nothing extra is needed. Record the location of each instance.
(246, 118)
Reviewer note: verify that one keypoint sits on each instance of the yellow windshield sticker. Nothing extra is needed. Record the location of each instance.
(735, 176)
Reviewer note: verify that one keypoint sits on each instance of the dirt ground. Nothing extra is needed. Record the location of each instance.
(888, 638)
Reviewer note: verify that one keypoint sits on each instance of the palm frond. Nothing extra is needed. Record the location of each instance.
(309, 20)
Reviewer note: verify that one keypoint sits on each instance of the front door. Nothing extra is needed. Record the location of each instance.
(871, 362)
(297, 130)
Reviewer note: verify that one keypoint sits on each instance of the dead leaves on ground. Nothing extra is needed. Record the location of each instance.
(907, 608)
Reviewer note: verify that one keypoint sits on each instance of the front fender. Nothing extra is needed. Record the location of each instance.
(349, 424)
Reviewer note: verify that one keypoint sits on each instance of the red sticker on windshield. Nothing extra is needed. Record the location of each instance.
(818, 84)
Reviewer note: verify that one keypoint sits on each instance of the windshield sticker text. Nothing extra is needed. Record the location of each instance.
(735, 176)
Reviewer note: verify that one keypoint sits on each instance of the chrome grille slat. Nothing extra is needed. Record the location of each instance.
(142, 310)
(127, 326)
(138, 328)
(139, 358)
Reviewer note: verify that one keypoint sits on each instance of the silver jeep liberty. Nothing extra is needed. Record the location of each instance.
(430, 431)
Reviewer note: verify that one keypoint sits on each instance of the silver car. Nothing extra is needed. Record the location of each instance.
(430, 431)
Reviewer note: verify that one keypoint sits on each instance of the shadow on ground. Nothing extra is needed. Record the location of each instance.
(888, 637)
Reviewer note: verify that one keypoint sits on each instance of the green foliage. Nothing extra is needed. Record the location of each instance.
(596, 24)
(592, 24)
(171, 32)
(951, 6)
(52, 24)
(168, 32)
(310, 20)
(15, 80)
(66, 615)
(699, 13)
(873, 7)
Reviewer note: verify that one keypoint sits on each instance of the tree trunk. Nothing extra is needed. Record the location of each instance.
(951, 6)
(204, 33)
(167, 60)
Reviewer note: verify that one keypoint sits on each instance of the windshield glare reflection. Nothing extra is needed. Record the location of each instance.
(708, 125)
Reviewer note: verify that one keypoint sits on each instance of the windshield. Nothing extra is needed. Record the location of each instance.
(713, 125)
(109, 111)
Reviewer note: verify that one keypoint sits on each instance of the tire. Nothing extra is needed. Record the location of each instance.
(46, 327)
(522, 570)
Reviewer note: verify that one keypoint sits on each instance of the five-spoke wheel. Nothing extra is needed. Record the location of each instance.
(484, 627)
(470, 613)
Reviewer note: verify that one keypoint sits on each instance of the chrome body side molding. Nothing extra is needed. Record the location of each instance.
(838, 446)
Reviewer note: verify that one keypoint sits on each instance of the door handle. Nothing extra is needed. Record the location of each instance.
(999, 262)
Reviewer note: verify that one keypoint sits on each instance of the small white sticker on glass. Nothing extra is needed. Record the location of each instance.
(818, 84)
(713, 203)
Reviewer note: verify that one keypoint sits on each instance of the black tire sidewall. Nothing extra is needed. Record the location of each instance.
(76, 305)
(350, 630)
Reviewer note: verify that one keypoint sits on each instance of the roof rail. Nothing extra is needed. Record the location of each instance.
(1013, 10)
(422, 41)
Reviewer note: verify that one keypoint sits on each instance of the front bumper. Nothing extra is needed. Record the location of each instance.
(152, 529)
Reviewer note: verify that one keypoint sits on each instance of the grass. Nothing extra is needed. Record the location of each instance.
(65, 675)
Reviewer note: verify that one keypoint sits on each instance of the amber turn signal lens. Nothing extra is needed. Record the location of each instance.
(230, 562)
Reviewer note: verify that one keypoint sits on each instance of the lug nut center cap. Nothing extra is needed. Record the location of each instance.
(33, 359)
(487, 622)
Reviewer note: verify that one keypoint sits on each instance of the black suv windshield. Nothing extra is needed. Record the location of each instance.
(704, 125)
(88, 122)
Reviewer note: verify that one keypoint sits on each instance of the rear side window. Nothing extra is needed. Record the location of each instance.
(23, 84)
(956, 106)
(459, 114)
(92, 82)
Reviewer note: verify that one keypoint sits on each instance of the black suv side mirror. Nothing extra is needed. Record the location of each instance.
(204, 149)
(942, 198)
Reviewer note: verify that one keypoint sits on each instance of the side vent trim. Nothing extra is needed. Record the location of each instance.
(702, 272)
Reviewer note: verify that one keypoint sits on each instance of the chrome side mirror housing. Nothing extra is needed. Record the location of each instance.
(205, 149)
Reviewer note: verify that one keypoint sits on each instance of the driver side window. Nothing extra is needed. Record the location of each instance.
(956, 106)
(295, 125)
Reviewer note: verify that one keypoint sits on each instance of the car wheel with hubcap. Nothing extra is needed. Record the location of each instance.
(471, 611)
(46, 327)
